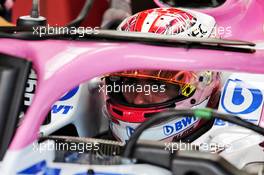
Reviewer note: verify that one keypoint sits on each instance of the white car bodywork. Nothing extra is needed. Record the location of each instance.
(237, 145)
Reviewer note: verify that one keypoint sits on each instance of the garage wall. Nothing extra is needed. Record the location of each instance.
(60, 12)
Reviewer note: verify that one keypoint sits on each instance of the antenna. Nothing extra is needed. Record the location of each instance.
(35, 9)
(34, 19)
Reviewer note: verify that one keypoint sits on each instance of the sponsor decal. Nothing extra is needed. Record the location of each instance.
(40, 167)
(29, 94)
(178, 126)
(30, 89)
(219, 122)
(63, 109)
(130, 131)
(70, 94)
(239, 98)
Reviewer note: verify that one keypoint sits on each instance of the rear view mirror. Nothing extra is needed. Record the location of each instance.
(13, 77)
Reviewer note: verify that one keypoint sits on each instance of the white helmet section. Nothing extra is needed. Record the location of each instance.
(204, 27)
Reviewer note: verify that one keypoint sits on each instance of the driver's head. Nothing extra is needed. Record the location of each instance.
(138, 94)
(151, 87)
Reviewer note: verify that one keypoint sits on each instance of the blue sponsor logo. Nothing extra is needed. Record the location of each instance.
(70, 94)
(178, 126)
(219, 122)
(238, 98)
(64, 109)
(130, 131)
(41, 167)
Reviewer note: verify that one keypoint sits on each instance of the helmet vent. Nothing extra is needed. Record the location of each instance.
(118, 112)
(193, 101)
(201, 78)
(148, 115)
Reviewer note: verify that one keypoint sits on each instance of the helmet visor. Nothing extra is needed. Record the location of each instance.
(149, 88)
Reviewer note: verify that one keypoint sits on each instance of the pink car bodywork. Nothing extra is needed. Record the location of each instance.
(245, 18)
(61, 65)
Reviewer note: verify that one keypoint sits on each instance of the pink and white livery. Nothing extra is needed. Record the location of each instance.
(62, 65)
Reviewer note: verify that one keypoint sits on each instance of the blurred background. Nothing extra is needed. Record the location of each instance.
(60, 12)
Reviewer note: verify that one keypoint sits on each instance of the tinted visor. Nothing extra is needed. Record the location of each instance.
(146, 92)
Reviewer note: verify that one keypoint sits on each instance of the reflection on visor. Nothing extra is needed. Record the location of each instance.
(146, 91)
(174, 77)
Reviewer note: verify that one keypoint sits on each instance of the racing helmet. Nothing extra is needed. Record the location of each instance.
(139, 94)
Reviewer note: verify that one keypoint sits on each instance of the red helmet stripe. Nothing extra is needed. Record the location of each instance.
(140, 21)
